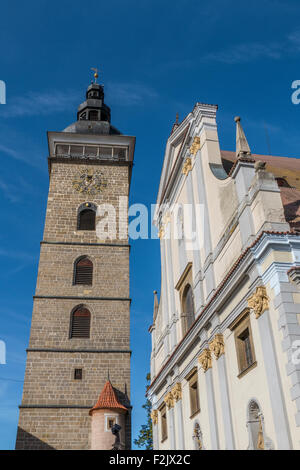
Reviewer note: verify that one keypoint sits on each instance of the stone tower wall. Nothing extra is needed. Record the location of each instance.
(54, 410)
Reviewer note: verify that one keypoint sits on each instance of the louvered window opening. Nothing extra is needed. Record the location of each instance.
(81, 322)
(87, 219)
(102, 152)
(84, 272)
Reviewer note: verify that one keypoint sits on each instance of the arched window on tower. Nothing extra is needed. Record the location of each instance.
(83, 271)
(86, 219)
(80, 322)
(188, 310)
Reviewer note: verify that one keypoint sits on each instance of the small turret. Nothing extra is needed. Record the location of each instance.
(93, 115)
(242, 146)
(107, 413)
(155, 307)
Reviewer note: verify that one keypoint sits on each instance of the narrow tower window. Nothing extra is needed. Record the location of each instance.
(80, 323)
(86, 217)
(188, 307)
(83, 272)
(77, 374)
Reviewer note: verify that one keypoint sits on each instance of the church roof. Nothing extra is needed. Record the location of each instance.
(287, 172)
(108, 399)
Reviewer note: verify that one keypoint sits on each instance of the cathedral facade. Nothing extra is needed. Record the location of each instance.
(225, 361)
(79, 341)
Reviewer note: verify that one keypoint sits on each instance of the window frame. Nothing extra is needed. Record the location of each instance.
(86, 206)
(78, 307)
(192, 380)
(77, 369)
(163, 422)
(239, 327)
(83, 257)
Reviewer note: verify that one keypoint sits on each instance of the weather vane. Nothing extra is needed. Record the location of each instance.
(95, 70)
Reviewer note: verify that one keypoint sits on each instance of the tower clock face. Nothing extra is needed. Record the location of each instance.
(89, 182)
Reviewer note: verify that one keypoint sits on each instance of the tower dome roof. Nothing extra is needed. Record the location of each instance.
(93, 115)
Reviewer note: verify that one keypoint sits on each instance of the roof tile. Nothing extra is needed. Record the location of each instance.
(108, 399)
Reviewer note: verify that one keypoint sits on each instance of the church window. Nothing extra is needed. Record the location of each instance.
(188, 311)
(86, 217)
(163, 419)
(194, 394)
(83, 271)
(80, 323)
(244, 343)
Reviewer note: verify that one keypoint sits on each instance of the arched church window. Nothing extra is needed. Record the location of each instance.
(86, 217)
(188, 310)
(83, 271)
(80, 323)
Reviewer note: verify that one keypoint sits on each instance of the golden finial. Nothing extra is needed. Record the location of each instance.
(95, 74)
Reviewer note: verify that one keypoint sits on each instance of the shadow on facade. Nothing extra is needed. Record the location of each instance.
(26, 441)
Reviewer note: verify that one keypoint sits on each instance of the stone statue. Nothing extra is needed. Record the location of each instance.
(116, 428)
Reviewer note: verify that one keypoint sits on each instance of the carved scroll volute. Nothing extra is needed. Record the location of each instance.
(177, 392)
(259, 301)
(217, 346)
(169, 400)
(205, 360)
(154, 416)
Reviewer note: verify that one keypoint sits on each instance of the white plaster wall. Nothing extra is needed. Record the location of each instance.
(282, 359)
(252, 385)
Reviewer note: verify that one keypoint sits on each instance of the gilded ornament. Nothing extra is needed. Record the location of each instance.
(205, 360)
(89, 182)
(169, 400)
(217, 346)
(161, 232)
(177, 392)
(195, 145)
(187, 166)
(259, 301)
(154, 416)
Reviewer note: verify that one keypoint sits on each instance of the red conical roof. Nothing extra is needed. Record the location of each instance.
(108, 399)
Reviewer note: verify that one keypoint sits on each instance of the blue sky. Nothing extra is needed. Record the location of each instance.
(156, 58)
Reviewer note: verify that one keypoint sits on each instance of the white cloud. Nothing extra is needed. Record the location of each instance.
(19, 255)
(248, 52)
(129, 94)
(42, 103)
(242, 53)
